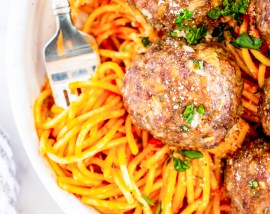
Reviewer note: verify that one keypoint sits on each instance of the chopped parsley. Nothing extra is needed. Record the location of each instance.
(194, 35)
(231, 30)
(214, 13)
(184, 128)
(244, 41)
(191, 154)
(179, 165)
(145, 41)
(198, 63)
(200, 110)
(173, 34)
(159, 42)
(230, 8)
(149, 201)
(184, 15)
(189, 113)
(253, 184)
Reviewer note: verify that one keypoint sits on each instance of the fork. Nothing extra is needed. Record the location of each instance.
(69, 56)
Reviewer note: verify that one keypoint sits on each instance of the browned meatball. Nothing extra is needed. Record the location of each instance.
(162, 13)
(262, 15)
(247, 178)
(264, 107)
(184, 95)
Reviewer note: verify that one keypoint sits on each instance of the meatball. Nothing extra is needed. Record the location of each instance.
(262, 11)
(247, 178)
(264, 107)
(162, 13)
(184, 95)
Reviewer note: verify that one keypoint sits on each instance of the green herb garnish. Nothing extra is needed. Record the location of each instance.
(230, 8)
(244, 41)
(184, 128)
(184, 15)
(200, 110)
(159, 42)
(173, 34)
(179, 165)
(194, 35)
(191, 154)
(189, 113)
(199, 64)
(159, 210)
(145, 41)
(231, 30)
(149, 201)
(214, 13)
(253, 184)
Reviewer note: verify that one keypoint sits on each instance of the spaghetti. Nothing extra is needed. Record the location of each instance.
(102, 158)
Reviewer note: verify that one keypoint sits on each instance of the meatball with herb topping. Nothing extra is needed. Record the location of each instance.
(163, 14)
(184, 95)
(247, 178)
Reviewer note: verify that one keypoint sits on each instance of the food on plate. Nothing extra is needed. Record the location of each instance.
(264, 107)
(108, 163)
(166, 14)
(184, 95)
(247, 178)
(262, 10)
(96, 151)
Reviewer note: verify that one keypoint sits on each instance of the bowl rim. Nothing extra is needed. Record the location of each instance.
(17, 52)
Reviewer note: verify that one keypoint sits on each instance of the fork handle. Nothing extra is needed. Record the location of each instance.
(60, 7)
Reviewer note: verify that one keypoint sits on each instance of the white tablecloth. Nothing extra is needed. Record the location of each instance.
(33, 197)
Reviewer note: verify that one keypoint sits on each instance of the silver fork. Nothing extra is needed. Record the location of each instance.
(69, 56)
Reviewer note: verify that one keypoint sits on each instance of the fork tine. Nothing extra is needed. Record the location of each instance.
(68, 57)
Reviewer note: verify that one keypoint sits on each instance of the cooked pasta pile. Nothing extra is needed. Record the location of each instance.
(253, 64)
(102, 158)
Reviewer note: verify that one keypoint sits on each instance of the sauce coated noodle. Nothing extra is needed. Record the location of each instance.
(102, 158)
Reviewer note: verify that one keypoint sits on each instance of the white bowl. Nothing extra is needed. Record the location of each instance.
(31, 24)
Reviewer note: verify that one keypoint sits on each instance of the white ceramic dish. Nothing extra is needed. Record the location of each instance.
(31, 24)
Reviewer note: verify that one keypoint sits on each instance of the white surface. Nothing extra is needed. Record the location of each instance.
(8, 184)
(33, 197)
